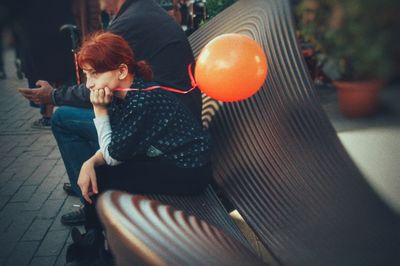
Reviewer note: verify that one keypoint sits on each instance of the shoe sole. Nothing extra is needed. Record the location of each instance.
(72, 223)
(41, 127)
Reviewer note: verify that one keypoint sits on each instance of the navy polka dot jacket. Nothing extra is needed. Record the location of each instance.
(156, 124)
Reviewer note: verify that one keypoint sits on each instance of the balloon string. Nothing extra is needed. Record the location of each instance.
(192, 80)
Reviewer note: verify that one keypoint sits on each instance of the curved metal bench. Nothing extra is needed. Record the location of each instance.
(280, 162)
(160, 235)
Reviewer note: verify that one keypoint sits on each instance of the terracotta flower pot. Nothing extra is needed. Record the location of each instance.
(358, 98)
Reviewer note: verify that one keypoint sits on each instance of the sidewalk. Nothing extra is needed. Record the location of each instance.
(31, 178)
(373, 142)
(32, 172)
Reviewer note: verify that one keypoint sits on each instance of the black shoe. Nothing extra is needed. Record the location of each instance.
(104, 258)
(86, 247)
(20, 75)
(74, 218)
(93, 238)
(80, 262)
(68, 189)
(3, 75)
(42, 123)
(76, 235)
(92, 261)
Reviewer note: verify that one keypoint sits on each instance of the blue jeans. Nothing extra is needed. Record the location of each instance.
(76, 136)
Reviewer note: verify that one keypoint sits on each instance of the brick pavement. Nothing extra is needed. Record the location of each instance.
(31, 178)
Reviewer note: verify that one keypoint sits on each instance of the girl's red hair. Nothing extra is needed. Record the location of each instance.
(106, 51)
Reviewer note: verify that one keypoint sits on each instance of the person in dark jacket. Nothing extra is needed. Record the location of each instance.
(156, 38)
(149, 140)
(87, 16)
(51, 59)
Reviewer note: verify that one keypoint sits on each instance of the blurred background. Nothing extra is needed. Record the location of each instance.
(347, 44)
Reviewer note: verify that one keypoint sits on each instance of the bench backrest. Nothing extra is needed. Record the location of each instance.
(280, 162)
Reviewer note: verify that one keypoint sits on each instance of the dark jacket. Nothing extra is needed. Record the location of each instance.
(155, 37)
(45, 51)
(87, 16)
(153, 124)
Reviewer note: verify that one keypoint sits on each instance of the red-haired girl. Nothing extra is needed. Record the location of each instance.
(149, 141)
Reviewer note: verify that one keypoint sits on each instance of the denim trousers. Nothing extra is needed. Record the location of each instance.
(76, 136)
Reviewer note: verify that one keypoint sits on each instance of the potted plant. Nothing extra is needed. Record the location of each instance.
(358, 48)
(216, 6)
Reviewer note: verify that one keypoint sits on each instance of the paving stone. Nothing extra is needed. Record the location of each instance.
(43, 261)
(18, 226)
(10, 188)
(13, 209)
(41, 172)
(50, 209)
(17, 124)
(65, 178)
(15, 152)
(58, 170)
(6, 161)
(61, 260)
(55, 154)
(36, 201)
(53, 243)
(37, 230)
(43, 151)
(68, 206)
(28, 141)
(5, 222)
(46, 140)
(60, 162)
(3, 201)
(5, 177)
(7, 247)
(49, 184)
(25, 167)
(7, 146)
(23, 194)
(58, 192)
(22, 253)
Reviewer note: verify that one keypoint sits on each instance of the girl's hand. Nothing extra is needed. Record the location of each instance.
(87, 180)
(101, 97)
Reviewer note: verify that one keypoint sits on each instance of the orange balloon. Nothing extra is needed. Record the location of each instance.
(231, 67)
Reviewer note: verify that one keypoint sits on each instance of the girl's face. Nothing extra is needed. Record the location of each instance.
(95, 81)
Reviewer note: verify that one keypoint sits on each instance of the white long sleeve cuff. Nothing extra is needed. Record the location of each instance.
(103, 128)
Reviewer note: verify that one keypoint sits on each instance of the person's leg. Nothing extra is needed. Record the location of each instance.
(147, 177)
(17, 48)
(76, 136)
(153, 176)
(45, 121)
(135, 177)
(2, 71)
(46, 110)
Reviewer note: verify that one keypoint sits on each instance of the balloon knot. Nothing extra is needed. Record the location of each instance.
(192, 80)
